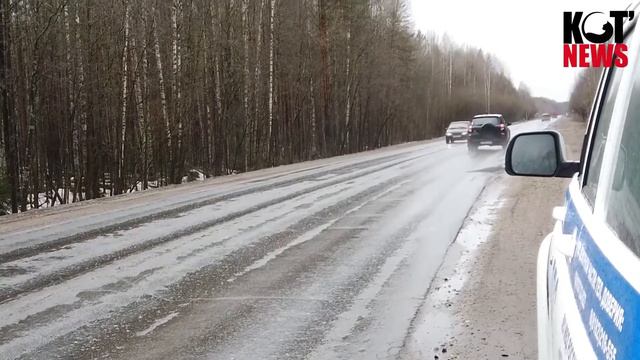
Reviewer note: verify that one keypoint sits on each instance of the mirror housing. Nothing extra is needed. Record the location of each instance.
(539, 154)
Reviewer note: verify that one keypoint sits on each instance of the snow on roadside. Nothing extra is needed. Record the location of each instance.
(431, 329)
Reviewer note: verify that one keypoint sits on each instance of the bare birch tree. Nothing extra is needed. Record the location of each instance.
(100, 98)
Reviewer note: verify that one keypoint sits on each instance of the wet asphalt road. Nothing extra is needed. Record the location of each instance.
(321, 260)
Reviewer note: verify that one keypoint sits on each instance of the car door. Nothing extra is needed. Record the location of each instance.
(567, 295)
(591, 287)
(616, 248)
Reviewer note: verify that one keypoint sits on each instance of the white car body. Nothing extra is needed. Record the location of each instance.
(588, 278)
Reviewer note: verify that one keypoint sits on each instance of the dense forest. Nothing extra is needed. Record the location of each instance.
(584, 92)
(546, 105)
(104, 97)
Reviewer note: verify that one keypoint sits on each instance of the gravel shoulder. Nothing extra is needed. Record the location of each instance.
(482, 304)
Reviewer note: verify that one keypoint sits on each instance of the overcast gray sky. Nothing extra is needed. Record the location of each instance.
(525, 35)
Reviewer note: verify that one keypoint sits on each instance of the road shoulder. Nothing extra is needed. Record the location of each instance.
(482, 303)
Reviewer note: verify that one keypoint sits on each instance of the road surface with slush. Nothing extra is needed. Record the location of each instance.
(319, 260)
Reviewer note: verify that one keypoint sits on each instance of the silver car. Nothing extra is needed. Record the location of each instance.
(457, 130)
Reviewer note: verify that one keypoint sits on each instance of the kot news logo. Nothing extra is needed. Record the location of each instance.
(604, 49)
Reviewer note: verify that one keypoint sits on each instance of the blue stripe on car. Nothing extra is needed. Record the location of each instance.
(607, 302)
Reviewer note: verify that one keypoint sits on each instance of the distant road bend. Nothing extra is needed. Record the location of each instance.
(320, 260)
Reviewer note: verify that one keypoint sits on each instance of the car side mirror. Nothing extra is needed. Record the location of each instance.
(508, 124)
(540, 154)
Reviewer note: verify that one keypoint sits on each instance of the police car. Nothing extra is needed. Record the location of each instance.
(588, 277)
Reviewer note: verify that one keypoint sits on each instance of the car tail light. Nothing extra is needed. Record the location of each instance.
(501, 126)
(470, 128)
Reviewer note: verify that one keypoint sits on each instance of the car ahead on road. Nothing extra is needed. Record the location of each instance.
(457, 130)
(545, 117)
(488, 129)
(588, 277)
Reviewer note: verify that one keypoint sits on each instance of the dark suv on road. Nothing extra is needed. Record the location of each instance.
(488, 129)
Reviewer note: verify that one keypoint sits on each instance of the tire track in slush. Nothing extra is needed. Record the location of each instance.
(233, 263)
(362, 195)
(232, 320)
(94, 263)
(34, 249)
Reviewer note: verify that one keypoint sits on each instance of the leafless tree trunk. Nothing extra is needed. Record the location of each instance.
(246, 85)
(8, 111)
(163, 93)
(99, 96)
(272, 5)
(125, 80)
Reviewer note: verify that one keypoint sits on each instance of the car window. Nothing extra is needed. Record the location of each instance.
(486, 120)
(600, 137)
(623, 208)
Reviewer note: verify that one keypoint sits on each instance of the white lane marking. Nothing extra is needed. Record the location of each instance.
(326, 177)
(156, 324)
(309, 235)
(258, 298)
